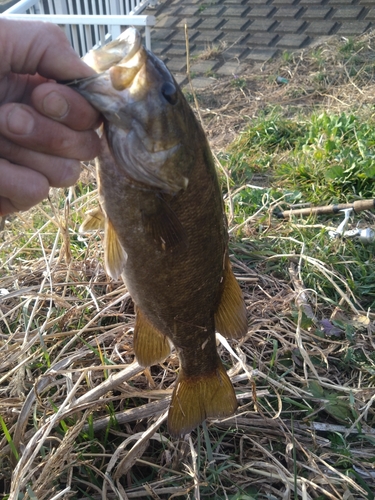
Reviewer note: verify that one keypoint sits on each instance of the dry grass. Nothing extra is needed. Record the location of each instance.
(86, 422)
(336, 75)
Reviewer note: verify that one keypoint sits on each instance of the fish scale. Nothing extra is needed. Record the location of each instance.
(165, 226)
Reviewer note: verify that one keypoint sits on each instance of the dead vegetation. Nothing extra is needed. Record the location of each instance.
(80, 419)
(337, 74)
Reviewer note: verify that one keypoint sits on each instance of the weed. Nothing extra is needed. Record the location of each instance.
(239, 83)
(212, 51)
(296, 92)
(329, 158)
(211, 74)
(318, 56)
(320, 76)
(286, 56)
(9, 438)
(350, 46)
(190, 97)
(270, 132)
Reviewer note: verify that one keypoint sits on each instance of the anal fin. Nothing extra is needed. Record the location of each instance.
(150, 345)
(197, 398)
(230, 317)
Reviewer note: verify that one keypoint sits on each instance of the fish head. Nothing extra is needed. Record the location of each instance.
(146, 115)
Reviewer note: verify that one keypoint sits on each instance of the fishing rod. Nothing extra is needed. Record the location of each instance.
(356, 206)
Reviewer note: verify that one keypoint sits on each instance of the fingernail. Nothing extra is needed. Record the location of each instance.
(55, 106)
(20, 121)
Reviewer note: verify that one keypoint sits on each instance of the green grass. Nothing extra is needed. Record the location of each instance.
(315, 157)
(320, 158)
(326, 158)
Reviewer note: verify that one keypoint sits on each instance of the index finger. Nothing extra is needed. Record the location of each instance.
(29, 47)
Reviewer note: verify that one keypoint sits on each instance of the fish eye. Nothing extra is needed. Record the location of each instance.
(169, 92)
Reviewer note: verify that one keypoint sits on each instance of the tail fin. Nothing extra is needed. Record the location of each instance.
(197, 398)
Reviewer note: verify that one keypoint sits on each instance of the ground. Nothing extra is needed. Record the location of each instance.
(80, 420)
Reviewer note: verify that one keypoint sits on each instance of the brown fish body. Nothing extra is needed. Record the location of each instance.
(177, 289)
(166, 233)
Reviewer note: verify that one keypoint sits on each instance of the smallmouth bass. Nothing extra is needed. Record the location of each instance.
(165, 226)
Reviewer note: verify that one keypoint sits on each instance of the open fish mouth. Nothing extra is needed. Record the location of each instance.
(102, 59)
(122, 49)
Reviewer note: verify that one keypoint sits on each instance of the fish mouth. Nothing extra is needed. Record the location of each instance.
(117, 65)
(120, 50)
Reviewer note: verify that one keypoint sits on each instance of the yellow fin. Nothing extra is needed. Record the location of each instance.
(94, 220)
(197, 398)
(230, 317)
(150, 346)
(114, 254)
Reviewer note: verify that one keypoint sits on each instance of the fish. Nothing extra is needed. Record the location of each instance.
(162, 211)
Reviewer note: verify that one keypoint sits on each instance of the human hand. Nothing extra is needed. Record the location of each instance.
(45, 128)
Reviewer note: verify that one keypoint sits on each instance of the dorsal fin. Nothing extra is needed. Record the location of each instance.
(230, 317)
(150, 345)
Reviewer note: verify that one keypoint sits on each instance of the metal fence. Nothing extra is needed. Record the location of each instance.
(87, 23)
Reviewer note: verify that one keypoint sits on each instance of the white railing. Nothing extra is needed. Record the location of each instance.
(87, 23)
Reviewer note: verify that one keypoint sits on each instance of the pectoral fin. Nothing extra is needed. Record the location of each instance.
(114, 254)
(230, 317)
(197, 398)
(164, 226)
(150, 346)
(94, 221)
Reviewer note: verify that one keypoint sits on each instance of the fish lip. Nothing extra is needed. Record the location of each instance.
(120, 50)
(125, 46)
